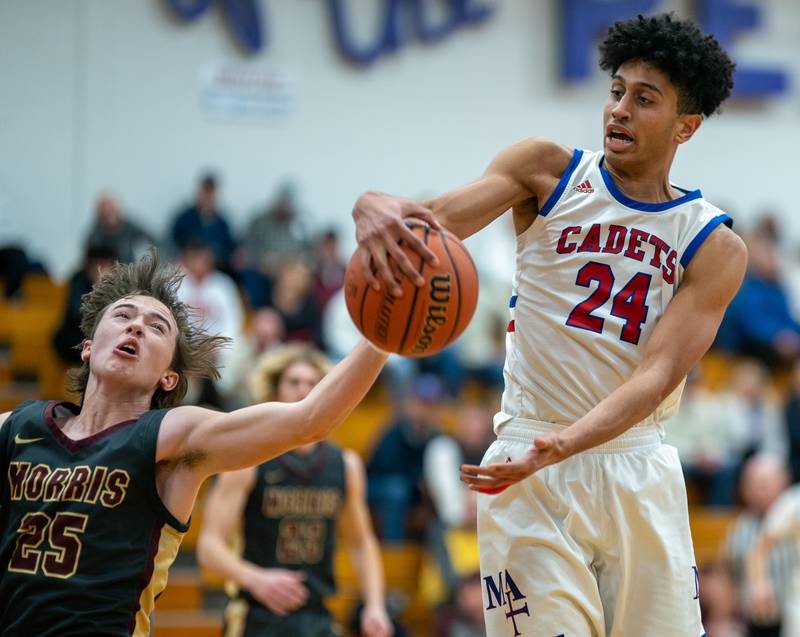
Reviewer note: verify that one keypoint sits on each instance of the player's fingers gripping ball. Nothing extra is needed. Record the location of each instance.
(426, 319)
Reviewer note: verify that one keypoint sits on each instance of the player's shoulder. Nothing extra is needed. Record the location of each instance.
(537, 155)
(719, 266)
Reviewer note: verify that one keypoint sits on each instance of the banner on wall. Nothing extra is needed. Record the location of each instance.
(242, 90)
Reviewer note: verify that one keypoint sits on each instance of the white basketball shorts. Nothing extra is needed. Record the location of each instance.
(597, 545)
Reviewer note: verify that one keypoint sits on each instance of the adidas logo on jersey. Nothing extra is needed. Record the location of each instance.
(585, 187)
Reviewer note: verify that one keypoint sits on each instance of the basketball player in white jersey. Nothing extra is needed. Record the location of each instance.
(621, 282)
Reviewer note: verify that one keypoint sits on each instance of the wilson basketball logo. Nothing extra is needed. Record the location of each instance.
(436, 316)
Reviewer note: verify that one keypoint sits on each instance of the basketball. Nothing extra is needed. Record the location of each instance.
(426, 319)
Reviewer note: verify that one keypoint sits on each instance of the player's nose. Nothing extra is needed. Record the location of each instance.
(621, 110)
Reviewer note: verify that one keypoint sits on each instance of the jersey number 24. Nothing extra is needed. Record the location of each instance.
(629, 303)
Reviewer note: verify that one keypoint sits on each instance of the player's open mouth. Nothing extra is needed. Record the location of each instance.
(127, 349)
(617, 138)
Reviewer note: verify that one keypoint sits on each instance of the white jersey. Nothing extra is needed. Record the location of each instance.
(594, 273)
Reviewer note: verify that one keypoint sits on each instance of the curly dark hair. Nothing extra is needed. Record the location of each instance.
(695, 62)
(195, 350)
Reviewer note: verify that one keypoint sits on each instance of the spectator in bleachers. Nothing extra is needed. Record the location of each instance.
(777, 547)
(15, 262)
(464, 616)
(792, 419)
(719, 603)
(771, 334)
(711, 435)
(396, 467)
(444, 456)
(97, 261)
(756, 402)
(481, 349)
(329, 268)
(214, 298)
(111, 228)
(203, 221)
(264, 333)
(764, 478)
(293, 298)
(273, 237)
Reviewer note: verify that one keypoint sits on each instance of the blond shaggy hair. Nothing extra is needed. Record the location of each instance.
(270, 368)
(196, 351)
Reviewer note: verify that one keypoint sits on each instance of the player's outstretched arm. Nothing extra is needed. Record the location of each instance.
(684, 333)
(206, 442)
(364, 550)
(527, 170)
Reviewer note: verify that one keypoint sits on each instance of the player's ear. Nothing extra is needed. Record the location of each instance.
(687, 126)
(86, 350)
(169, 380)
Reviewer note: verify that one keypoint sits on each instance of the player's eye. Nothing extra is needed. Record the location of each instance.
(121, 314)
(616, 93)
(644, 100)
(159, 327)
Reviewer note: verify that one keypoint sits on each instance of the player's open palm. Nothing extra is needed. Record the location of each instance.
(380, 227)
(281, 590)
(375, 622)
(494, 478)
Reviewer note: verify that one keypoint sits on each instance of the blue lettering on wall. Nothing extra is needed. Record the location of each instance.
(244, 19)
(584, 20)
(725, 19)
(582, 23)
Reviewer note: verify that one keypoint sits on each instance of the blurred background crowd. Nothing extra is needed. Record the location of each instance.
(737, 432)
(109, 135)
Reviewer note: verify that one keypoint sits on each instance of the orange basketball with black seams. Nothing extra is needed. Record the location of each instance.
(426, 319)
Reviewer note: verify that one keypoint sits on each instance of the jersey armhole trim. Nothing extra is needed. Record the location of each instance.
(701, 236)
(159, 508)
(562, 183)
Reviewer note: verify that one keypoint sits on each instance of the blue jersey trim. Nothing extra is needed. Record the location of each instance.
(513, 302)
(642, 206)
(562, 183)
(702, 235)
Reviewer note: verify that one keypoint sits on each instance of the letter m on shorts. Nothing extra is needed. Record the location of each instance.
(498, 591)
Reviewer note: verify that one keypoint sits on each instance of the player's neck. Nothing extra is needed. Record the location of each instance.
(104, 407)
(644, 182)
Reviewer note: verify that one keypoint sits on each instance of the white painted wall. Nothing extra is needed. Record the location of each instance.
(105, 94)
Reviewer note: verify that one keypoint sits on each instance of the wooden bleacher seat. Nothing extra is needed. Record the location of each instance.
(183, 623)
(709, 528)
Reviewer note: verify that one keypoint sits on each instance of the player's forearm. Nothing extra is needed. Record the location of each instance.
(214, 554)
(341, 390)
(629, 404)
(366, 557)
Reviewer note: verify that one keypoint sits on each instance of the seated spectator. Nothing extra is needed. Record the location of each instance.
(711, 434)
(770, 335)
(203, 221)
(292, 297)
(481, 349)
(764, 479)
(68, 337)
(719, 603)
(773, 592)
(395, 469)
(112, 229)
(264, 333)
(214, 298)
(329, 268)
(792, 420)
(444, 456)
(464, 616)
(273, 237)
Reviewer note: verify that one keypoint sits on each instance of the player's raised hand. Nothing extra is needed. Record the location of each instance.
(494, 478)
(281, 590)
(380, 227)
(375, 622)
